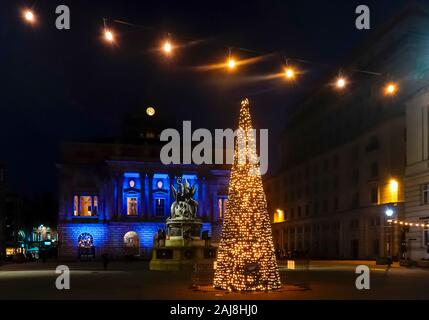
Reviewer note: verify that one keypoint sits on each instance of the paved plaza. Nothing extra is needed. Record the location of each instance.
(321, 280)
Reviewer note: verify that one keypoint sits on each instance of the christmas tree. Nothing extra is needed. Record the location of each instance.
(246, 258)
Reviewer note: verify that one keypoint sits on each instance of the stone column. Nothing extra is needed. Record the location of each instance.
(150, 195)
(119, 193)
(202, 196)
(171, 180)
(146, 198)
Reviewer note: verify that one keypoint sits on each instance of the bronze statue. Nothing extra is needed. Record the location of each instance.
(184, 207)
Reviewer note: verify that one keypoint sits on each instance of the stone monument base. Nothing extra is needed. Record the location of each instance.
(180, 256)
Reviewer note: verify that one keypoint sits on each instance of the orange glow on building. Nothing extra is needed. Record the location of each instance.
(391, 192)
(279, 216)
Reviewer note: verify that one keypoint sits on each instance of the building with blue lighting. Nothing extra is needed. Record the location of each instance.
(114, 197)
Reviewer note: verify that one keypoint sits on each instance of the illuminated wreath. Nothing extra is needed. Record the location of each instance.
(85, 240)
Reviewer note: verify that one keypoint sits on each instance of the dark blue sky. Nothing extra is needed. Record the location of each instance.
(69, 85)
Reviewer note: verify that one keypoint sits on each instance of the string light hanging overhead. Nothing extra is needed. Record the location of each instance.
(408, 224)
(289, 71)
(108, 33)
(390, 89)
(341, 82)
(231, 62)
(29, 16)
(168, 47)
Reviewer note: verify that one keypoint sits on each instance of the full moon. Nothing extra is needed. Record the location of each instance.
(150, 111)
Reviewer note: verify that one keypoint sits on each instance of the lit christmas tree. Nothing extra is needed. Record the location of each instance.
(246, 258)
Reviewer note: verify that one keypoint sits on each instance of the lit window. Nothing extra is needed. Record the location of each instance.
(393, 186)
(279, 216)
(85, 206)
(132, 206)
(222, 206)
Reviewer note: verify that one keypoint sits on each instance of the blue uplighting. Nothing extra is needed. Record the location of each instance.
(132, 175)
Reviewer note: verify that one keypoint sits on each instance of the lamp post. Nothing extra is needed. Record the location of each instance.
(389, 213)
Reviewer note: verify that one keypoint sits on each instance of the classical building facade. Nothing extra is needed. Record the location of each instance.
(115, 196)
(344, 152)
(417, 176)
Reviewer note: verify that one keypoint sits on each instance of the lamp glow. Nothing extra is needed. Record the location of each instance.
(279, 216)
(167, 47)
(390, 89)
(29, 16)
(232, 64)
(108, 35)
(290, 73)
(341, 83)
(393, 185)
(389, 212)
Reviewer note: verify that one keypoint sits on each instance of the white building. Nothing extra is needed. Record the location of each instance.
(417, 175)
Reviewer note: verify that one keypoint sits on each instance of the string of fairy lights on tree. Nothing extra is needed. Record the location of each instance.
(289, 71)
(246, 259)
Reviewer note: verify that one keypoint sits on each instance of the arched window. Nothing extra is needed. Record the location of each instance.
(132, 243)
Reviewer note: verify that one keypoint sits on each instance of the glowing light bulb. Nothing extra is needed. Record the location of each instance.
(389, 212)
(167, 47)
(108, 35)
(232, 64)
(341, 83)
(29, 16)
(289, 73)
(391, 89)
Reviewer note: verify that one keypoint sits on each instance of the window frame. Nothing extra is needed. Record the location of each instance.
(129, 197)
(77, 207)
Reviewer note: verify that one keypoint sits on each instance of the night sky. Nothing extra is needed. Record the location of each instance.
(62, 85)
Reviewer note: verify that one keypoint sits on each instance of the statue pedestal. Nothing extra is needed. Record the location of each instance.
(180, 254)
(183, 248)
(182, 243)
